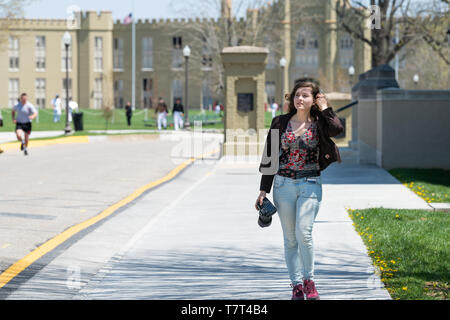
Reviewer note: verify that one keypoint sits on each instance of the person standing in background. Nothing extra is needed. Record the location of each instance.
(129, 113)
(162, 112)
(56, 103)
(178, 113)
(274, 108)
(73, 107)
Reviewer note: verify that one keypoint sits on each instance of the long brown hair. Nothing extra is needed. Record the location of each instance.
(315, 91)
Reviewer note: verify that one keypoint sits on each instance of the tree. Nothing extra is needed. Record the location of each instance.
(413, 20)
(10, 9)
(213, 32)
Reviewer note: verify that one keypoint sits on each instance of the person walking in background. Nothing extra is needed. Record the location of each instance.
(293, 163)
(129, 113)
(274, 108)
(22, 115)
(217, 107)
(56, 103)
(178, 113)
(162, 112)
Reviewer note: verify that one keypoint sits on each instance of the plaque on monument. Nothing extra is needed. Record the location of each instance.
(245, 102)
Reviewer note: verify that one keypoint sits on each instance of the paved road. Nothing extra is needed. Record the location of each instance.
(197, 238)
(11, 136)
(62, 185)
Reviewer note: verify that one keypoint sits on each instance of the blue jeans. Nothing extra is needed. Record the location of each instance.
(56, 116)
(298, 202)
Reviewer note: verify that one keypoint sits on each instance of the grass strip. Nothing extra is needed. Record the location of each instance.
(409, 248)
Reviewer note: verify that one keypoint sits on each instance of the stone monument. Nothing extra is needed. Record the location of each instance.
(244, 100)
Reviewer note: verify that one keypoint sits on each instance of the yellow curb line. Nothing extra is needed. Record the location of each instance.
(50, 245)
(43, 143)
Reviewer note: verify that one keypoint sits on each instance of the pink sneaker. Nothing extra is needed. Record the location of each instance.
(310, 290)
(297, 293)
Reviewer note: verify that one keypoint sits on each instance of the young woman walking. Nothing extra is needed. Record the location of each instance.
(298, 147)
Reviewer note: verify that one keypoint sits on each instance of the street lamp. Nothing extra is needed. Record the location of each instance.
(416, 80)
(351, 73)
(283, 62)
(186, 54)
(67, 39)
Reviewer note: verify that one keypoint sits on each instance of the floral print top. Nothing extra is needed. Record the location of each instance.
(299, 156)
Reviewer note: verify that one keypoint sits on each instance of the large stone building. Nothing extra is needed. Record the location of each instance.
(32, 58)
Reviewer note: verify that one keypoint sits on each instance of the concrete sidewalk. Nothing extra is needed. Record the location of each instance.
(6, 137)
(197, 238)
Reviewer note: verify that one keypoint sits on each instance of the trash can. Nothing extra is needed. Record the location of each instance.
(78, 121)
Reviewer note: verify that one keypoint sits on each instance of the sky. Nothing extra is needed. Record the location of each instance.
(144, 9)
(57, 9)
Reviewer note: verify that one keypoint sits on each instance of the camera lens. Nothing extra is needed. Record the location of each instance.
(264, 222)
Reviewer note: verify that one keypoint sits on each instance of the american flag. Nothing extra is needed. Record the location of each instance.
(128, 19)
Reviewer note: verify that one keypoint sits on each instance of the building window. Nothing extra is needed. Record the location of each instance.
(118, 54)
(98, 54)
(270, 91)
(40, 92)
(207, 60)
(118, 94)
(63, 56)
(64, 91)
(13, 92)
(147, 53)
(13, 51)
(307, 49)
(40, 53)
(177, 90)
(98, 93)
(147, 92)
(346, 51)
(177, 53)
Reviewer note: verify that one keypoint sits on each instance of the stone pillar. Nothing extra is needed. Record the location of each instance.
(244, 98)
(331, 40)
(365, 117)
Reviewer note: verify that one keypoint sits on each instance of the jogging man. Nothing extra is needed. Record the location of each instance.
(26, 112)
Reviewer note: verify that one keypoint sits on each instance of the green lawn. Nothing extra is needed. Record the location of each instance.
(410, 249)
(432, 185)
(94, 120)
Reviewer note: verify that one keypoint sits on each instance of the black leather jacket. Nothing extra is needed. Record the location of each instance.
(329, 126)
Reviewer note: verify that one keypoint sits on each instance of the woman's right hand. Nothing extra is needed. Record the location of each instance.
(259, 200)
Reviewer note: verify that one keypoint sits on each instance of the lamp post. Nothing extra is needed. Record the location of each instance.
(186, 54)
(67, 39)
(351, 73)
(283, 62)
(416, 80)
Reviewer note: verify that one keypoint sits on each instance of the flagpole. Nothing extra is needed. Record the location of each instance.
(133, 62)
(396, 55)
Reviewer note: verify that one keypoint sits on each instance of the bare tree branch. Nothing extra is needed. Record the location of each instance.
(414, 19)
